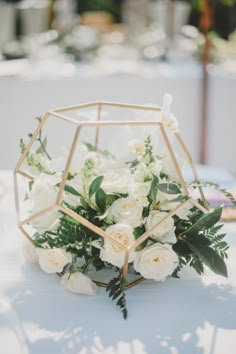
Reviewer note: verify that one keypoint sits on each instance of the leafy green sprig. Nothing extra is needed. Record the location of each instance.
(116, 291)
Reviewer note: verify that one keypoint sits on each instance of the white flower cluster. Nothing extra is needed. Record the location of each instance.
(133, 205)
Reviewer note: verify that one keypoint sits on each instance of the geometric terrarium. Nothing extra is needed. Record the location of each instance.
(102, 186)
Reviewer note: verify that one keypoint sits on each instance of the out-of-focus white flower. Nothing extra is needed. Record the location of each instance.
(155, 167)
(117, 180)
(165, 231)
(139, 191)
(136, 146)
(171, 123)
(59, 164)
(79, 283)
(140, 172)
(126, 210)
(42, 195)
(112, 252)
(91, 160)
(169, 169)
(53, 260)
(156, 262)
(30, 252)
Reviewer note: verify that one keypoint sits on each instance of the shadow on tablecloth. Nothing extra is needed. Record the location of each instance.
(180, 316)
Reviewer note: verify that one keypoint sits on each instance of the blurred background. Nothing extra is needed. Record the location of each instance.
(55, 53)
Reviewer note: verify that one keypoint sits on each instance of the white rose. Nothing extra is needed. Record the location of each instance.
(42, 196)
(156, 262)
(53, 260)
(30, 252)
(113, 253)
(136, 146)
(117, 180)
(79, 283)
(165, 231)
(126, 210)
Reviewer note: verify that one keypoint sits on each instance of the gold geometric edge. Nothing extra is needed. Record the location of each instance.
(99, 123)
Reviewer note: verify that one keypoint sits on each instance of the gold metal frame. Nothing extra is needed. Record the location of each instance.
(60, 114)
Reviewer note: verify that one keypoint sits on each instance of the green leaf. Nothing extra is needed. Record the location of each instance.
(154, 188)
(71, 190)
(169, 188)
(110, 198)
(22, 145)
(205, 222)
(200, 239)
(125, 313)
(31, 185)
(89, 146)
(100, 198)
(208, 256)
(95, 185)
(84, 203)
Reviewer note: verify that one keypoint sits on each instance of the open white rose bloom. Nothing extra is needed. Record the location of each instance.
(109, 193)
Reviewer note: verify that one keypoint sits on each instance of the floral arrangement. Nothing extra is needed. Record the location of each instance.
(125, 200)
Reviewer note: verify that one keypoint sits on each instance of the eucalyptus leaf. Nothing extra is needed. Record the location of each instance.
(95, 185)
(154, 188)
(169, 188)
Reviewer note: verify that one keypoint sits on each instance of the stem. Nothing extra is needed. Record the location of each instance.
(43, 147)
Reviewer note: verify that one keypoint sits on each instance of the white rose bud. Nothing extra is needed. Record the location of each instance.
(136, 146)
(126, 210)
(156, 262)
(165, 231)
(53, 260)
(111, 251)
(79, 283)
(29, 252)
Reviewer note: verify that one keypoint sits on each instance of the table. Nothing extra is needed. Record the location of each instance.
(190, 315)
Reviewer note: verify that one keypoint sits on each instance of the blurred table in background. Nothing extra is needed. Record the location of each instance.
(30, 89)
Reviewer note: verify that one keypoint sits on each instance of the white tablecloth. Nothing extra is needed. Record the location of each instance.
(191, 315)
